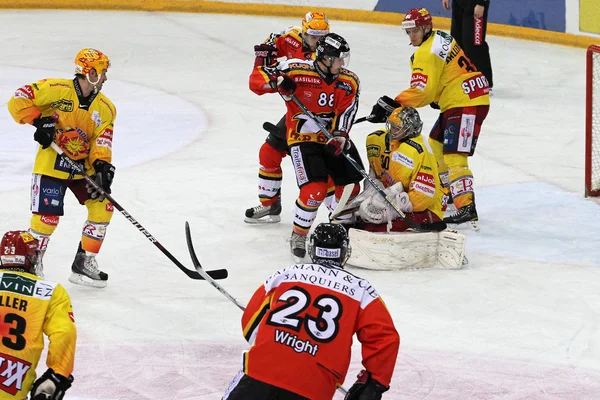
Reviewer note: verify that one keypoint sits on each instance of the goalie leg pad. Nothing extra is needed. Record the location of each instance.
(396, 251)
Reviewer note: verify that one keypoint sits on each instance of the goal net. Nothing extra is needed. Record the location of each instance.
(592, 134)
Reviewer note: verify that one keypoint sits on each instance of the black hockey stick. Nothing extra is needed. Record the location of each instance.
(435, 227)
(216, 274)
(361, 119)
(273, 129)
(204, 274)
(188, 237)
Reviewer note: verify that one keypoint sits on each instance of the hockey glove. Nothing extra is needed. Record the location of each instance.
(434, 105)
(285, 86)
(265, 55)
(104, 175)
(382, 109)
(50, 386)
(365, 388)
(338, 143)
(44, 133)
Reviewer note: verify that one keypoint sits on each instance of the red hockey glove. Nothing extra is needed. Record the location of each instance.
(338, 143)
(265, 55)
(285, 86)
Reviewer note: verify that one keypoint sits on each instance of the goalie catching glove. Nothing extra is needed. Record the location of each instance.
(365, 388)
(50, 386)
(376, 209)
(382, 109)
(103, 177)
(338, 143)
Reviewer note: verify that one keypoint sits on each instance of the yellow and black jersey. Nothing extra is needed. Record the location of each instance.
(92, 118)
(442, 73)
(411, 163)
(31, 307)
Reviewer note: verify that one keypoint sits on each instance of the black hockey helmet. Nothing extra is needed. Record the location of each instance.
(329, 245)
(333, 45)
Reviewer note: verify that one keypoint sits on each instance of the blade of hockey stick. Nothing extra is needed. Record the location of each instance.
(342, 202)
(216, 274)
(361, 119)
(200, 270)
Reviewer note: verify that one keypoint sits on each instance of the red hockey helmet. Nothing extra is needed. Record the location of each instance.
(417, 17)
(19, 250)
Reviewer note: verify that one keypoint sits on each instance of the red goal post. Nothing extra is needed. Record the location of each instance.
(592, 122)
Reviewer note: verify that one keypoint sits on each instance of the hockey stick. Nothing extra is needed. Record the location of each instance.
(215, 274)
(361, 119)
(188, 237)
(200, 270)
(342, 202)
(436, 226)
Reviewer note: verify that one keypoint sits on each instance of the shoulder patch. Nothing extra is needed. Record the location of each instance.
(373, 150)
(441, 45)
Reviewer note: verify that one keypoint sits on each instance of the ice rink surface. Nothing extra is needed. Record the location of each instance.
(520, 322)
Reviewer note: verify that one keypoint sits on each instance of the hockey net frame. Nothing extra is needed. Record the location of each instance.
(592, 122)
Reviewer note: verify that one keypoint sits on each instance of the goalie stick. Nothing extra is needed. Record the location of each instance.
(215, 274)
(436, 226)
(196, 262)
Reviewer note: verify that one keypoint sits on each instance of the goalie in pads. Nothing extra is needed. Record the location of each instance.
(408, 172)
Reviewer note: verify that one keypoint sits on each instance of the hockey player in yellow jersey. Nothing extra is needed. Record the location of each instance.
(407, 169)
(80, 119)
(443, 76)
(31, 307)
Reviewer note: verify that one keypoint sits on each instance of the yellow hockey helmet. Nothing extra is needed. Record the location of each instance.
(88, 59)
(315, 24)
(404, 123)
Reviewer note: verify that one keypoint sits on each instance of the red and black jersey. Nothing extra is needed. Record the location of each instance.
(300, 325)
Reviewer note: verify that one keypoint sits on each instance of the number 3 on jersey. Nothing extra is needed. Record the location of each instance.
(322, 327)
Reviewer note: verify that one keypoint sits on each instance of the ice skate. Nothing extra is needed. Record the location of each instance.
(85, 270)
(264, 215)
(298, 247)
(466, 214)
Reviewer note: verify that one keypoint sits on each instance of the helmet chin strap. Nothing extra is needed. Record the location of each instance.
(328, 72)
(94, 84)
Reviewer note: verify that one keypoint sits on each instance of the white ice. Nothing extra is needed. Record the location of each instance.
(520, 322)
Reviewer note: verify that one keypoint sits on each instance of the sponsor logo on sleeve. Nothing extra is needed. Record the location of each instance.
(418, 80)
(424, 183)
(105, 140)
(25, 92)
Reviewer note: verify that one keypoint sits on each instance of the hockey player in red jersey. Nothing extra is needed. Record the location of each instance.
(79, 118)
(443, 76)
(331, 91)
(294, 42)
(300, 324)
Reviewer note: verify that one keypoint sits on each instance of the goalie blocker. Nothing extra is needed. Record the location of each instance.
(406, 250)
